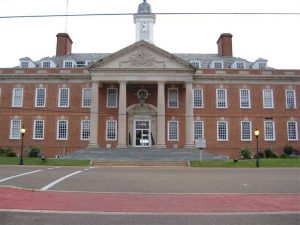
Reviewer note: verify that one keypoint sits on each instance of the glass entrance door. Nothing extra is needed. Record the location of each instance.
(142, 133)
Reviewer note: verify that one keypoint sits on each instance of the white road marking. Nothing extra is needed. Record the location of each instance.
(59, 180)
(23, 174)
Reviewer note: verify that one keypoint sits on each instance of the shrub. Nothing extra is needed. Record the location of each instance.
(283, 156)
(33, 151)
(246, 153)
(288, 150)
(6, 151)
(269, 153)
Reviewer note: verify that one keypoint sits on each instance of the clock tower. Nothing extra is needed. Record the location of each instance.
(144, 20)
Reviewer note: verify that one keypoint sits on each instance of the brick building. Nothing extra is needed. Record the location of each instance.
(143, 96)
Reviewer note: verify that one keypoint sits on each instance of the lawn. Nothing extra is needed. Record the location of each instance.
(247, 163)
(47, 162)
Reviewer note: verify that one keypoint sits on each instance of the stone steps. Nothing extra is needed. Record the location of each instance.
(147, 163)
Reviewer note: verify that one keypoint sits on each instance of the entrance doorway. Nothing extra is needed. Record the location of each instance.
(142, 133)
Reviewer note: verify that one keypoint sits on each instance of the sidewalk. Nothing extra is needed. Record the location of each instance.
(13, 198)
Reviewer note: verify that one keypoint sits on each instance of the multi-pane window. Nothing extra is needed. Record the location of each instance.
(24, 64)
(15, 129)
(85, 130)
(40, 97)
(63, 97)
(198, 130)
(245, 98)
(173, 130)
(290, 97)
(218, 65)
(292, 130)
(62, 130)
(268, 99)
(86, 97)
(173, 97)
(240, 65)
(112, 97)
(46, 64)
(246, 131)
(262, 66)
(196, 63)
(269, 131)
(17, 100)
(111, 130)
(222, 131)
(68, 64)
(38, 129)
(221, 98)
(198, 98)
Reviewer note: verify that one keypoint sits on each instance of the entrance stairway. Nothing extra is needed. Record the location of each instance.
(147, 163)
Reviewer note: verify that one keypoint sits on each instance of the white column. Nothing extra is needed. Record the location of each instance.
(94, 116)
(122, 116)
(189, 140)
(160, 128)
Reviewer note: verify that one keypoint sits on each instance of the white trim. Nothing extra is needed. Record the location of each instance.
(294, 98)
(264, 99)
(81, 130)
(296, 127)
(217, 99)
(14, 97)
(59, 98)
(202, 130)
(177, 130)
(45, 94)
(177, 100)
(273, 127)
(57, 130)
(116, 98)
(202, 99)
(115, 127)
(34, 130)
(246, 121)
(249, 98)
(11, 130)
(218, 122)
(83, 97)
(149, 135)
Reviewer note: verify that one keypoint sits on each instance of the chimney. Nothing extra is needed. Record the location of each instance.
(63, 44)
(225, 44)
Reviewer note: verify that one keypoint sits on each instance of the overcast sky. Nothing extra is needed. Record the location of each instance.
(272, 37)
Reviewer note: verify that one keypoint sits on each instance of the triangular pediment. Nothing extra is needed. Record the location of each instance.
(142, 56)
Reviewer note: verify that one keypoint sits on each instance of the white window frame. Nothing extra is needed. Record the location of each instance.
(37, 98)
(238, 65)
(268, 102)
(244, 99)
(46, 64)
(218, 62)
(295, 130)
(85, 130)
(218, 131)
(15, 129)
(24, 64)
(173, 136)
(243, 130)
(219, 100)
(198, 133)
(198, 98)
(35, 130)
(269, 136)
(17, 100)
(173, 98)
(111, 130)
(112, 94)
(69, 64)
(62, 130)
(60, 98)
(196, 63)
(290, 102)
(86, 101)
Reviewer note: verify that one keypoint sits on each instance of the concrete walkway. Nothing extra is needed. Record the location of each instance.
(140, 154)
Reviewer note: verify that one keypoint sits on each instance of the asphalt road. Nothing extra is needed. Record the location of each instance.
(155, 180)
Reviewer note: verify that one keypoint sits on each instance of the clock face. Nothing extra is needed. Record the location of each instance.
(144, 27)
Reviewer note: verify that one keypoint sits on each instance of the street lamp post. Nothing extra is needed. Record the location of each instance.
(256, 132)
(23, 130)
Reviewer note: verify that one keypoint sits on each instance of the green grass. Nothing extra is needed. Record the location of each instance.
(247, 163)
(48, 162)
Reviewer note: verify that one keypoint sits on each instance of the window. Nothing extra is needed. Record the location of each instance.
(173, 130)
(269, 131)
(17, 100)
(246, 131)
(63, 97)
(46, 64)
(173, 97)
(245, 98)
(111, 130)
(262, 66)
(80, 63)
(86, 97)
(68, 64)
(196, 63)
(240, 65)
(221, 98)
(38, 129)
(112, 97)
(292, 131)
(218, 65)
(24, 64)
(222, 131)
(268, 99)
(85, 130)
(198, 130)
(62, 130)
(198, 98)
(15, 129)
(290, 97)
(40, 97)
